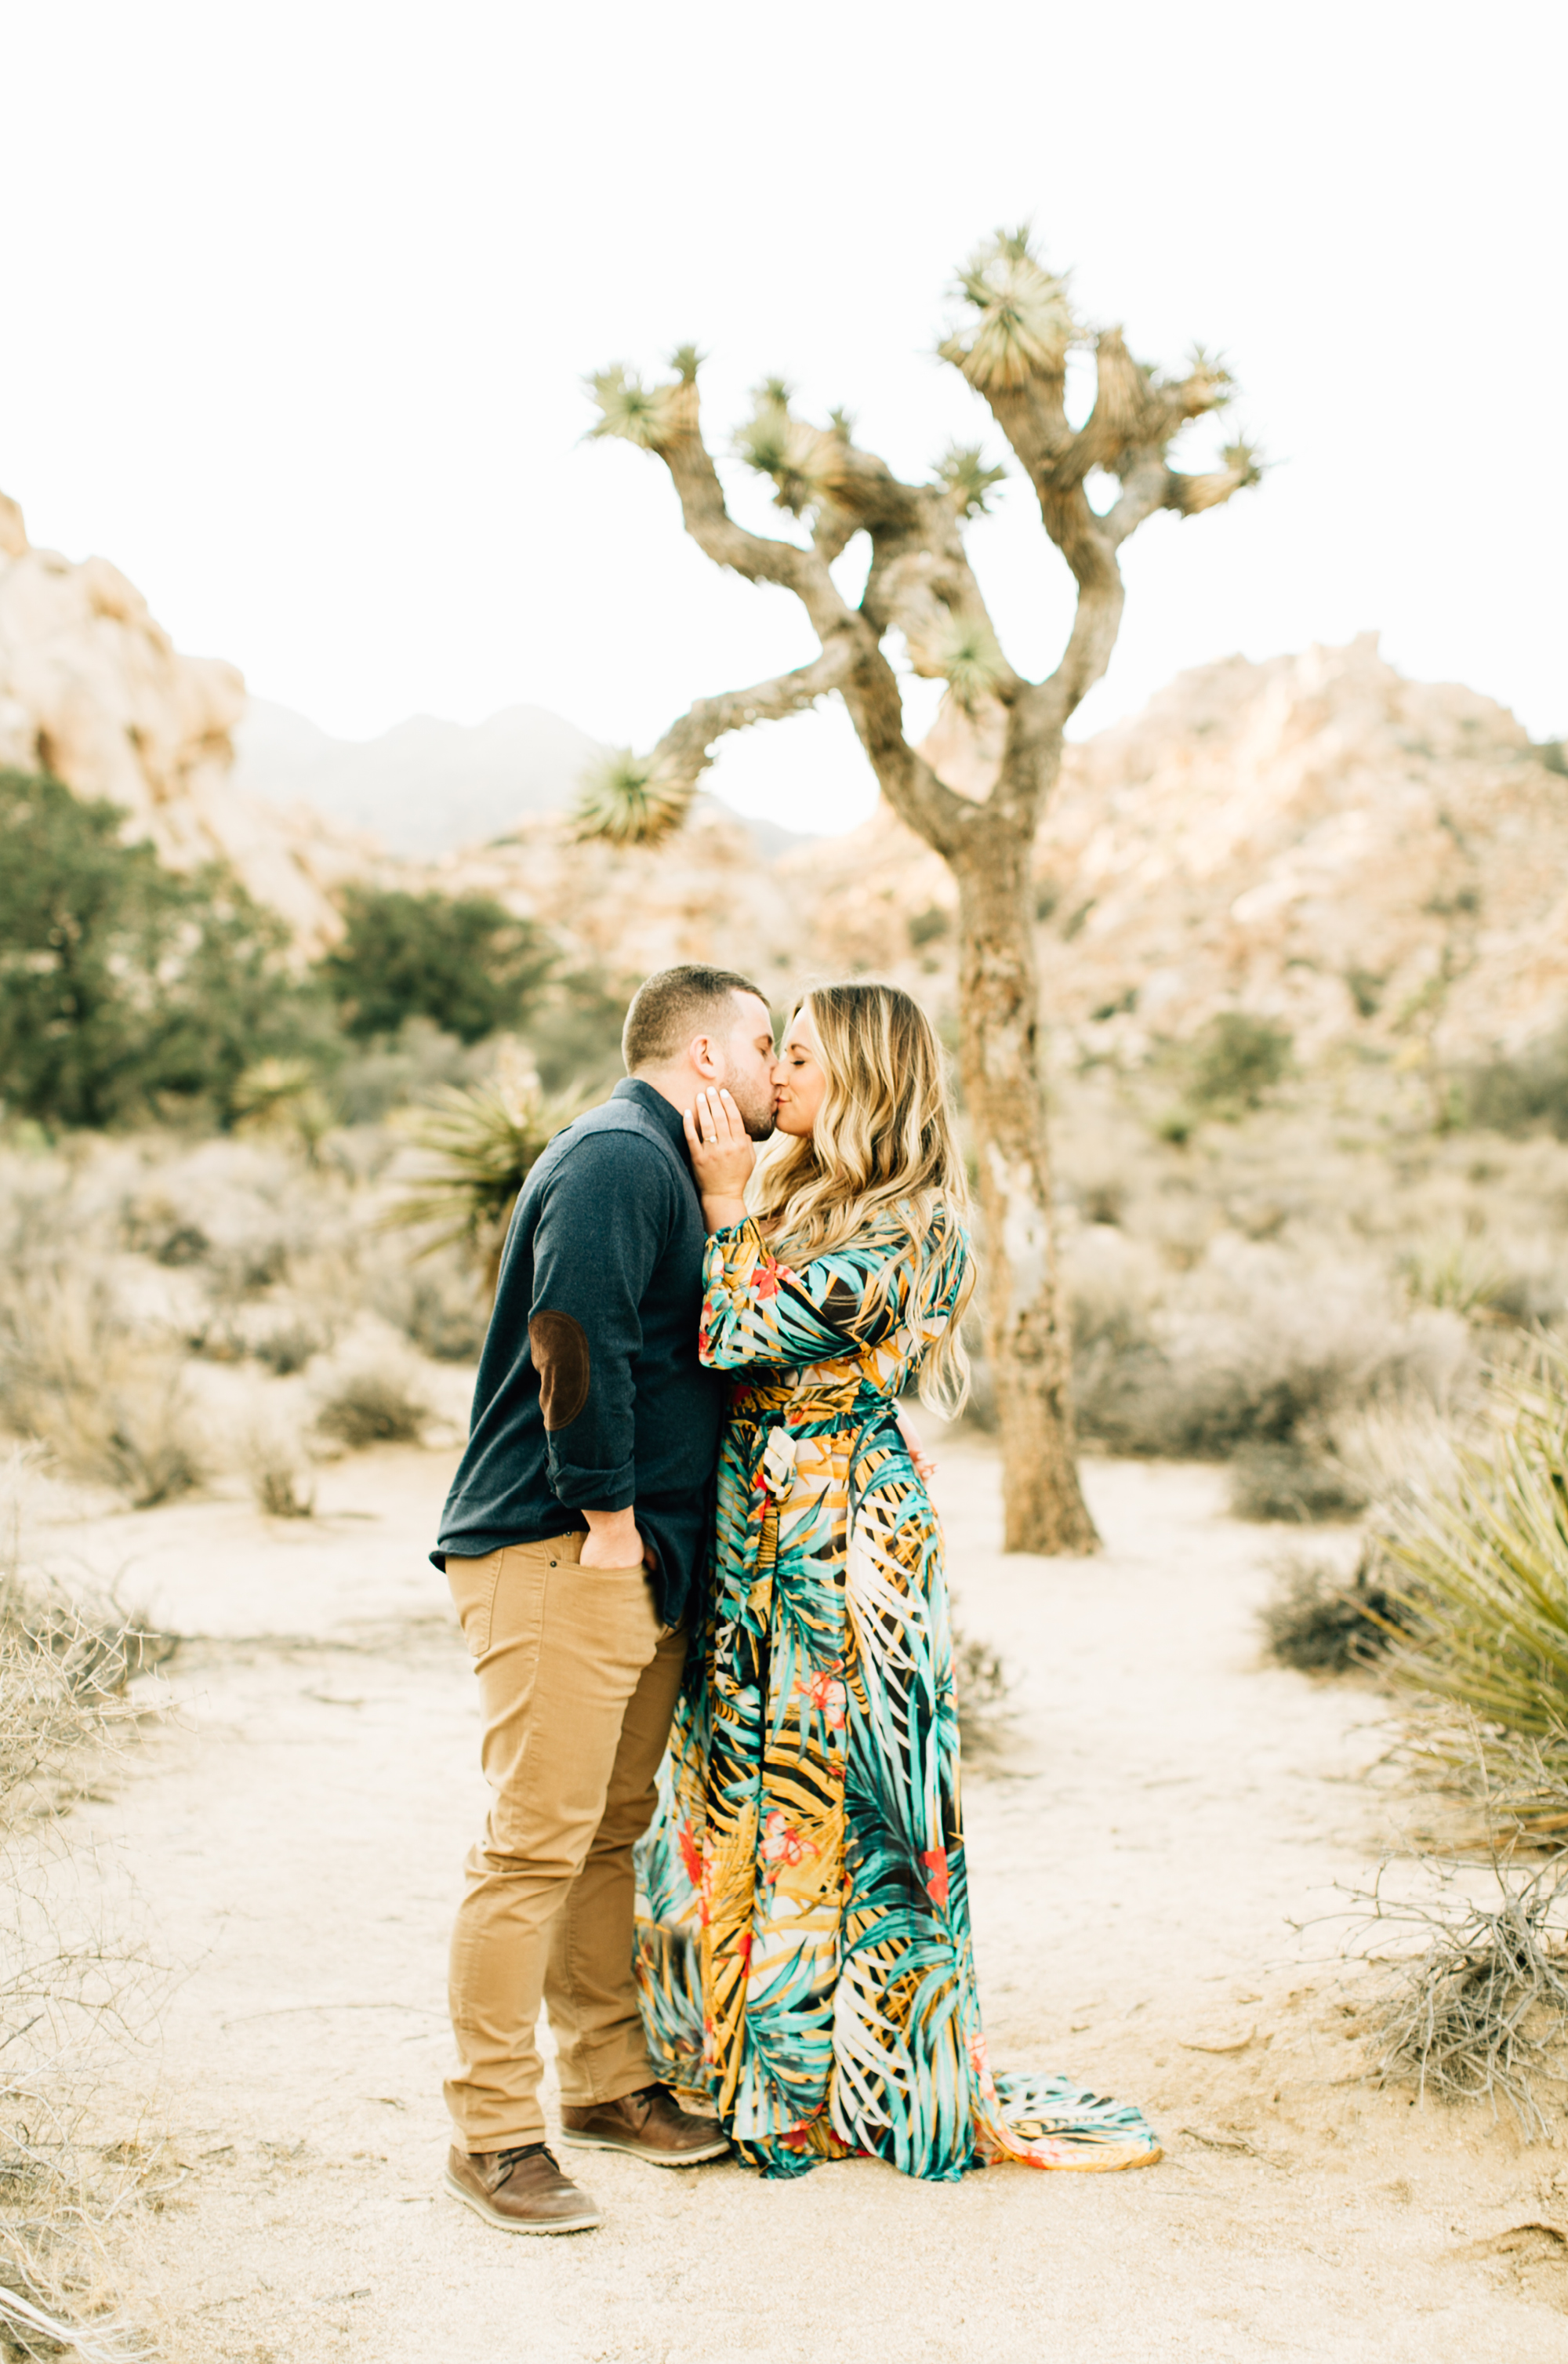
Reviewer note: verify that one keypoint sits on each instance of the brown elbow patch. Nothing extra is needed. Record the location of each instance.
(559, 1349)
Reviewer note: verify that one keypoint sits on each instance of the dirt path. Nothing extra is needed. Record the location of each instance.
(294, 1834)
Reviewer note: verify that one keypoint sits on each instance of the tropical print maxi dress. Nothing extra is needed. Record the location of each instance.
(803, 1944)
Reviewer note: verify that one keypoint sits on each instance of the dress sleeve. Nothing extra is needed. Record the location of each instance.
(756, 1309)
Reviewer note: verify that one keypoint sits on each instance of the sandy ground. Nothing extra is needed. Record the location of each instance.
(291, 1834)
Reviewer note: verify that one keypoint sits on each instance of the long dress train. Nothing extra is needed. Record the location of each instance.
(804, 1944)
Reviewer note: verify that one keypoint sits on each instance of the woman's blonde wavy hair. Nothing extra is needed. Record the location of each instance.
(884, 1152)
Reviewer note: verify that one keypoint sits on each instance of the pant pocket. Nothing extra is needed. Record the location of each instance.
(474, 1584)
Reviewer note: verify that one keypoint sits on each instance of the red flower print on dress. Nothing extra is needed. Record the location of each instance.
(782, 1845)
(766, 1283)
(936, 1862)
(980, 2062)
(691, 1855)
(826, 1693)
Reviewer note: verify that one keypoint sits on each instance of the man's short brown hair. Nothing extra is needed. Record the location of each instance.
(674, 1004)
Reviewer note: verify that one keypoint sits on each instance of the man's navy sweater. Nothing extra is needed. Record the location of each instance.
(590, 1394)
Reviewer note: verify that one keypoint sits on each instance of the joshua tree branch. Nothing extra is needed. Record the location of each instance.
(686, 748)
(946, 820)
(759, 558)
(1145, 487)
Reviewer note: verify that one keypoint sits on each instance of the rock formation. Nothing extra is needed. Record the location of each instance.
(1313, 838)
(93, 689)
(1367, 859)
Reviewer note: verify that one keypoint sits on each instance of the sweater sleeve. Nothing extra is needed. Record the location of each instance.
(757, 1310)
(603, 1225)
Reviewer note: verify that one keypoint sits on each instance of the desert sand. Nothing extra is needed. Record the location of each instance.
(1166, 1808)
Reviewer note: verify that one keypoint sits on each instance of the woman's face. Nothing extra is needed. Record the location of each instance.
(798, 1080)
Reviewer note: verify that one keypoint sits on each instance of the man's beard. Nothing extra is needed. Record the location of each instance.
(757, 1115)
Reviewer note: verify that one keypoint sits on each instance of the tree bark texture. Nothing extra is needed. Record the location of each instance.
(1027, 1335)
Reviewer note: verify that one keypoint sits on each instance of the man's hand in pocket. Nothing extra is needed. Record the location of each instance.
(613, 1540)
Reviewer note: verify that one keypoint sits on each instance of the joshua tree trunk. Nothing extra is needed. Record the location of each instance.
(922, 588)
(999, 1061)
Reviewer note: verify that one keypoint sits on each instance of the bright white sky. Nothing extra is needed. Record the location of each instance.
(299, 297)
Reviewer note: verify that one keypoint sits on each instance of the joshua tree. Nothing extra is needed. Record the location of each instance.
(1006, 731)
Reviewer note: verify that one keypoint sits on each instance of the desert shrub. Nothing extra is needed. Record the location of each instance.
(289, 1345)
(370, 1404)
(1255, 1344)
(66, 1983)
(1467, 1276)
(1320, 1623)
(110, 1403)
(243, 1215)
(281, 1097)
(1479, 2009)
(1483, 1561)
(277, 1467)
(439, 1302)
(245, 1266)
(1236, 1059)
(464, 961)
(394, 1070)
(574, 1036)
(1513, 1785)
(1526, 1092)
(124, 987)
(1291, 1480)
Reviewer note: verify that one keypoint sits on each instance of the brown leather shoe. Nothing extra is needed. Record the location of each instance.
(649, 2124)
(519, 2190)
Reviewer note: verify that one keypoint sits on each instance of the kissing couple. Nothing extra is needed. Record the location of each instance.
(725, 1848)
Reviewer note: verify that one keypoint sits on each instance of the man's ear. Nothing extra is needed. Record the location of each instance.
(702, 1056)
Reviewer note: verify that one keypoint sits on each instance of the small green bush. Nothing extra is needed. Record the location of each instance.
(1320, 1625)
(1288, 1480)
(441, 1306)
(1528, 1093)
(574, 1035)
(371, 1405)
(128, 990)
(288, 1346)
(464, 961)
(1236, 1059)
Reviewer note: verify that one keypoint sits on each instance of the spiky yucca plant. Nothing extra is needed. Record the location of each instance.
(639, 414)
(1025, 327)
(972, 660)
(1484, 1559)
(962, 471)
(485, 1140)
(628, 799)
(282, 1096)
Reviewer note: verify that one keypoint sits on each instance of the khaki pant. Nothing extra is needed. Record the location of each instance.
(578, 1683)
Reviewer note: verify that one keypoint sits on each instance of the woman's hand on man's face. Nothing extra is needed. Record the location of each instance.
(721, 1150)
(722, 1156)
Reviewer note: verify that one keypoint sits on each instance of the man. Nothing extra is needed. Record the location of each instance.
(575, 1539)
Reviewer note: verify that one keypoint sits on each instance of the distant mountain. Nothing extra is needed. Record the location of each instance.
(424, 788)
(427, 786)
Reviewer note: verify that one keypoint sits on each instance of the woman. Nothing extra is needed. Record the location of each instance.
(804, 1945)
